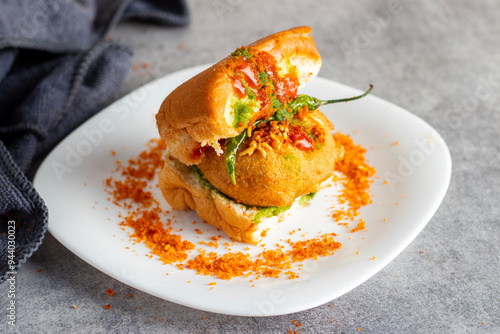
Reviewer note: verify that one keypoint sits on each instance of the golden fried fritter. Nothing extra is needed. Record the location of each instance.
(272, 176)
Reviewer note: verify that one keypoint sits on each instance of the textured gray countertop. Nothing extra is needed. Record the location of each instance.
(438, 59)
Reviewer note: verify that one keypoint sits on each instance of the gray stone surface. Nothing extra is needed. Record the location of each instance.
(430, 57)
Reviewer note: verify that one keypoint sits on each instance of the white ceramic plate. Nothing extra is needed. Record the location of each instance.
(418, 170)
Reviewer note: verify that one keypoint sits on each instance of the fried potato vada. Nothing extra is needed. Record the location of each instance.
(277, 176)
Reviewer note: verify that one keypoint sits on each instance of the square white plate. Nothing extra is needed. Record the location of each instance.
(417, 171)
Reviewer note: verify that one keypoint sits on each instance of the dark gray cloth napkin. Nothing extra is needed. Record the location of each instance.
(56, 70)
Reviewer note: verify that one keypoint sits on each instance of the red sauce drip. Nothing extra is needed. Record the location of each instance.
(250, 74)
(245, 70)
(301, 139)
(286, 87)
(198, 152)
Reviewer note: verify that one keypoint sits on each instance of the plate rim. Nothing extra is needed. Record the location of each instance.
(292, 309)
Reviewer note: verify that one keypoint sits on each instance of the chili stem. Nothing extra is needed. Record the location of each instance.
(319, 103)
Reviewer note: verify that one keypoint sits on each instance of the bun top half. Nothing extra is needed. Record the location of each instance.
(201, 111)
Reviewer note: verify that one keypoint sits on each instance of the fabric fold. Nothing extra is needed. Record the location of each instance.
(56, 70)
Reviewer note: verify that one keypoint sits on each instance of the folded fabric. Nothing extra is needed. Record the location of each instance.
(56, 70)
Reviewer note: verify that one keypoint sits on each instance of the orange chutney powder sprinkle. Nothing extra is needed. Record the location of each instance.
(355, 179)
(147, 220)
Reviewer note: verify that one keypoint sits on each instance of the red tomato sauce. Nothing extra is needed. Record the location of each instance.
(198, 152)
(300, 138)
(247, 70)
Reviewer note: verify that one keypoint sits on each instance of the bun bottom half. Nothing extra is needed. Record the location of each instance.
(184, 188)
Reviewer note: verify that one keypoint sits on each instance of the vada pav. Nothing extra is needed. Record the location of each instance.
(242, 145)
